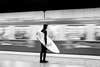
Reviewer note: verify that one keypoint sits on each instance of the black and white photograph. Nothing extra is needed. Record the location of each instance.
(49, 33)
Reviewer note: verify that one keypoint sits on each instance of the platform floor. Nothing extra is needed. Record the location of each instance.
(12, 59)
(13, 63)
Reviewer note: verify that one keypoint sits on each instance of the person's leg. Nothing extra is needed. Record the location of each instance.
(44, 56)
(41, 53)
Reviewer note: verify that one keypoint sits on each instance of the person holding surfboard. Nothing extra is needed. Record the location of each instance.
(43, 48)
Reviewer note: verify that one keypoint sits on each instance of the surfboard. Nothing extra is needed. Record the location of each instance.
(50, 44)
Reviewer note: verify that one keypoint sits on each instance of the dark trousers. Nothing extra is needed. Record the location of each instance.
(43, 53)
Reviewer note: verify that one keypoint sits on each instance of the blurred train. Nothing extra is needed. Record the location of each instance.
(64, 25)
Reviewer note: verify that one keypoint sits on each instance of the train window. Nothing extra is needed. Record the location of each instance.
(64, 32)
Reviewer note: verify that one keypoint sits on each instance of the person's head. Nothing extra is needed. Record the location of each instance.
(45, 27)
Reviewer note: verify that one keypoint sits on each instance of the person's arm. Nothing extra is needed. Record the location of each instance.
(45, 37)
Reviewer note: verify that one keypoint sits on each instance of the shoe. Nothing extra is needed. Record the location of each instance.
(43, 61)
